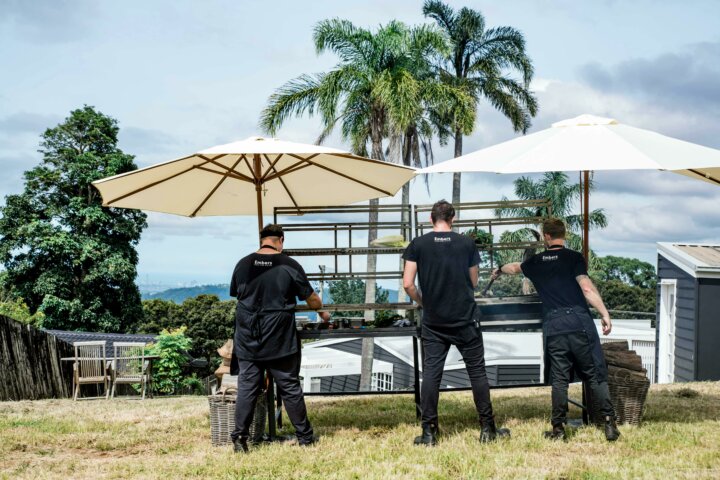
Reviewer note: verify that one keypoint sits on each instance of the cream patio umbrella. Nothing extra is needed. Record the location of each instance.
(253, 176)
(589, 143)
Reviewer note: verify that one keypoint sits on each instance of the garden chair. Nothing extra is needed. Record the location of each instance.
(90, 366)
(130, 366)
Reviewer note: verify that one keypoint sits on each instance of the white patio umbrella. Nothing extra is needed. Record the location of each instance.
(590, 143)
(253, 176)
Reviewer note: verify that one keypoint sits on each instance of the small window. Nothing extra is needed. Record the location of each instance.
(382, 382)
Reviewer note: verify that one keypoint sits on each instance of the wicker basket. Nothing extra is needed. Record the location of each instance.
(222, 418)
(628, 394)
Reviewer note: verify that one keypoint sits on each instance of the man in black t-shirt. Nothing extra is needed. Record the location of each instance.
(446, 265)
(571, 339)
(267, 284)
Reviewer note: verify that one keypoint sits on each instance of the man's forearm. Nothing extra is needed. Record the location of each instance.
(592, 295)
(595, 300)
(413, 293)
(511, 268)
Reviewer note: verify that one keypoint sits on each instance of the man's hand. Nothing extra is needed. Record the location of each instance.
(606, 324)
(325, 316)
(496, 273)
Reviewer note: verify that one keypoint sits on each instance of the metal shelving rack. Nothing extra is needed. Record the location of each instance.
(343, 231)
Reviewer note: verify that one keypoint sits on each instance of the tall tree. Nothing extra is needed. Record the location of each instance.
(379, 85)
(482, 60)
(65, 254)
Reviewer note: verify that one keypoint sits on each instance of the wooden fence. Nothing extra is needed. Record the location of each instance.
(30, 366)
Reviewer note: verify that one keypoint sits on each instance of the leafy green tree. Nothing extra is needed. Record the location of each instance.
(353, 292)
(209, 323)
(65, 254)
(482, 60)
(630, 271)
(159, 315)
(618, 295)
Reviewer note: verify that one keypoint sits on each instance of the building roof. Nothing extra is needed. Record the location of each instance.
(110, 338)
(699, 260)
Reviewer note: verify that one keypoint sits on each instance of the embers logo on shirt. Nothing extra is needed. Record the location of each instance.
(549, 258)
(261, 263)
(443, 239)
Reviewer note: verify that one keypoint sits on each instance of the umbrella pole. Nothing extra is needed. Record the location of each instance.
(258, 189)
(586, 216)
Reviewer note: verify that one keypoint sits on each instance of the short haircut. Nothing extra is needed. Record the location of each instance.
(442, 211)
(272, 230)
(554, 227)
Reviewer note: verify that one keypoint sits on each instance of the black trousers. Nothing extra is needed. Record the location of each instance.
(285, 373)
(436, 343)
(576, 351)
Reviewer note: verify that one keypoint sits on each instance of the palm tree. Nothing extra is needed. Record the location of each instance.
(480, 60)
(563, 197)
(380, 88)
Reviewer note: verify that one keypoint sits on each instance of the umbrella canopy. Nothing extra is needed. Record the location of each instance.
(590, 143)
(253, 176)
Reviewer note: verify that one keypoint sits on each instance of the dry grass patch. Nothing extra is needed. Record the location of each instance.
(361, 437)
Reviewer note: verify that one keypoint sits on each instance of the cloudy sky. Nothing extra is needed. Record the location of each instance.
(184, 75)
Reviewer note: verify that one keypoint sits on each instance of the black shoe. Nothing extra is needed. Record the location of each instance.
(428, 436)
(611, 431)
(557, 433)
(308, 442)
(489, 433)
(240, 445)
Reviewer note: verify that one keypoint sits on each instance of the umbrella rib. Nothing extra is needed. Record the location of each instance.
(705, 176)
(225, 176)
(235, 175)
(271, 167)
(343, 175)
(282, 182)
(150, 185)
(229, 169)
(292, 169)
(252, 170)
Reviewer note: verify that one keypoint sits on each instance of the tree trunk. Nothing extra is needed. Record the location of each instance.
(368, 344)
(457, 175)
(405, 218)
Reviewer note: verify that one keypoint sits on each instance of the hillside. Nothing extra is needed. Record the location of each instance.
(178, 295)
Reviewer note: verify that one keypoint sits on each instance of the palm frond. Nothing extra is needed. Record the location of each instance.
(295, 98)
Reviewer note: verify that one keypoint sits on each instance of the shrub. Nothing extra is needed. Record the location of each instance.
(170, 347)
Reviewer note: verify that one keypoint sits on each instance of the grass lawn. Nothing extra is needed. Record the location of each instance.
(361, 437)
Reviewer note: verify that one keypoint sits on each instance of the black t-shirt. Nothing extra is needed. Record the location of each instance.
(443, 262)
(554, 273)
(267, 287)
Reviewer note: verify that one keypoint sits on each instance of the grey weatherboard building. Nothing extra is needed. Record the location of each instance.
(688, 312)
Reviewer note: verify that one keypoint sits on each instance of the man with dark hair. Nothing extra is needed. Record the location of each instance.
(267, 284)
(447, 266)
(571, 339)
